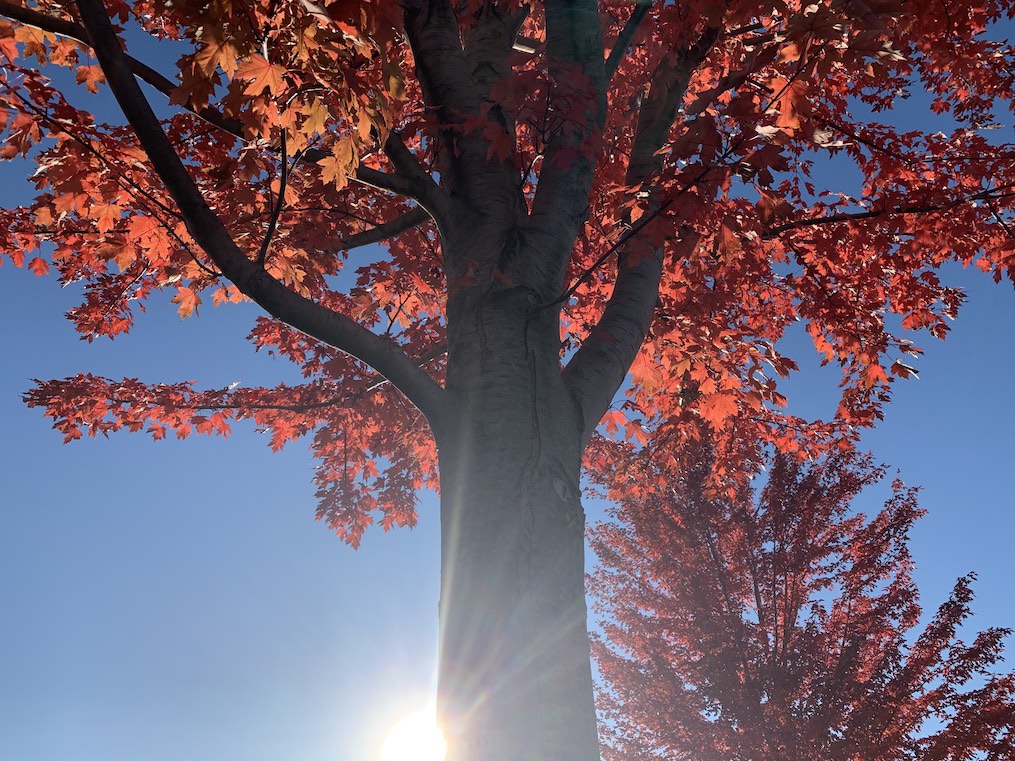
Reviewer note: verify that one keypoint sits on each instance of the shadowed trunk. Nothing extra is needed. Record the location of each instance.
(514, 676)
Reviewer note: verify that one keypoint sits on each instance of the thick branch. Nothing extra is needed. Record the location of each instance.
(207, 229)
(659, 108)
(599, 367)
(625, 37)
(447, 87)
(443, 72)
(385, 230)
(392, 183)
(560, 206)
(487, 41)
(420, 183)
(456, 68)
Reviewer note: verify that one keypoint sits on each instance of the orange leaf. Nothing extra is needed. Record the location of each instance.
(106, 215)
(39, 266)
(729, 242)
(220, 54)
(188, 301)
(342, 161)
(790, 102)
(90, 76)
(316, 115)
(265, 76)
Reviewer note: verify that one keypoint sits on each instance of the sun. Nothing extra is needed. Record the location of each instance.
(415, 738)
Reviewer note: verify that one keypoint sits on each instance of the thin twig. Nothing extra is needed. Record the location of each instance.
(832, 219)
(262, 255)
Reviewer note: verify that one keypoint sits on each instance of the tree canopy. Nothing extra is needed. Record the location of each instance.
(315, 129)
(785, 624)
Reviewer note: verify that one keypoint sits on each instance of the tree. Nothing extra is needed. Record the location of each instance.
(568, 195)
(786, 626)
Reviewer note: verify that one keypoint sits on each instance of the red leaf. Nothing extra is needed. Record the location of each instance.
(39, 266)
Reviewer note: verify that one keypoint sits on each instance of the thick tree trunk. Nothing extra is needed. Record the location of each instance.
(514, 679)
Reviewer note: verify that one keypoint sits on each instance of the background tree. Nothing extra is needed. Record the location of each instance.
(785, 626)
(548, 181)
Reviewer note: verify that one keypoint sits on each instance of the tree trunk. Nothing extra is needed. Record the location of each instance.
(514, 678)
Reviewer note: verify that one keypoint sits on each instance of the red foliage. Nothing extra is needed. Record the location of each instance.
(718, 121)
(785, 626)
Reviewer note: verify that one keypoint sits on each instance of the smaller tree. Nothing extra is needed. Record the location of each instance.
(784, 626)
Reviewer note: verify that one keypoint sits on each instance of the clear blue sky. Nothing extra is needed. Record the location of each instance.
(177, 600)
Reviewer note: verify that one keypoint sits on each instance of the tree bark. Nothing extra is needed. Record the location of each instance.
(514, 679)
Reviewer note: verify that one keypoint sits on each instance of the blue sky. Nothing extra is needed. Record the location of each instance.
(178, 601)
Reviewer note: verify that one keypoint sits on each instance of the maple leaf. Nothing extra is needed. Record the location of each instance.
(336, 167)
(263, 75)
(188, 300)
(195, 88)
(39, 266)
(219, 54)
(902, 370)
(90, 76)
(68, 202)
(729, 242)
(613, 420)
(226, 294)
(34, 41)
(789, 101)
(317, 116)
(716, 409)
(393, 80)
(106, 215)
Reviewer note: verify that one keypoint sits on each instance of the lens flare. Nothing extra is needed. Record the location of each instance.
(415, 738)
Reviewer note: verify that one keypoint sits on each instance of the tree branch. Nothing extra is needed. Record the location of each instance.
(626, 237)
(625, 37)
(385, 230)
(345, 400)
(276, 212)
(456, 66)
(560, 205)
(207, 229)
(599, 367)
(445, 81)
(443, 72)
(659, 109)
(424, 189)
(834, 219)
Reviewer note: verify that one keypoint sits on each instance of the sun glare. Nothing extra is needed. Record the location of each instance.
(415, 738)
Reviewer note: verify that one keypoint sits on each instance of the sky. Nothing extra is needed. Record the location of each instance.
(177, 600)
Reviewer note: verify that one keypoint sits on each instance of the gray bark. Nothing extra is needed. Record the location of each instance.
(514, 680)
